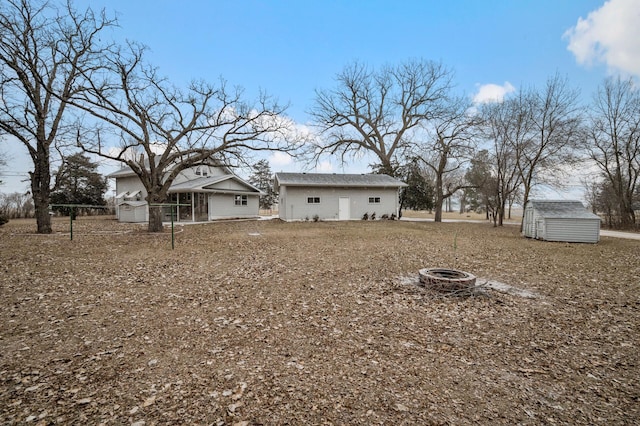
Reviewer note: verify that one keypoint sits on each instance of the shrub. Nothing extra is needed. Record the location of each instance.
(316, 218)
(3, 219)
(373, 216)
(392, 217)
(384, 217)
(365, 216)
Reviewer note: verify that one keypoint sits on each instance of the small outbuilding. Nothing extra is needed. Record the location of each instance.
(559, 220)
(333, 196)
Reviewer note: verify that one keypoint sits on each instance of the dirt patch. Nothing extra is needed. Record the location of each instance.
(307, 323)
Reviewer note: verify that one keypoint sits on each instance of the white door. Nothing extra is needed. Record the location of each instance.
(344, 208)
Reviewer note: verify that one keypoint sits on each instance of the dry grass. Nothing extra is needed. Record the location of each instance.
(312, 323)
(516, 215)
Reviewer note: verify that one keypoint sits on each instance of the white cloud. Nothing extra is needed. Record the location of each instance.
(280, 159)
(488, 93)
(611, 35)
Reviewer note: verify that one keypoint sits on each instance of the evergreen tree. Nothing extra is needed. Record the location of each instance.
(419, 194)
(480, 195)
(262, 178)
(78, 182)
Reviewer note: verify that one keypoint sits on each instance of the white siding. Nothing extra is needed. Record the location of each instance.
(579, 229)
(130, 184)
(223, 206)
(136, 214)
(572, 230)
(190, 173)
(219, 205)
(293, 203)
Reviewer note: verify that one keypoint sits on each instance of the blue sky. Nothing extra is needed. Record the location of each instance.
(290, 48)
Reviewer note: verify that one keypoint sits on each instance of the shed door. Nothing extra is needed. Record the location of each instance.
(344, 208)
(529, 224)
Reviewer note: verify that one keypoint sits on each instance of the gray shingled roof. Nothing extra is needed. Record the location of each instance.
(127, 171)
(335, 179)
(209, 182)
(561, 209)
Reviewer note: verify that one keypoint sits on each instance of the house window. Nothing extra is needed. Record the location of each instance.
(374, 200)
(241, 200)
(313, 200)
(202, 170)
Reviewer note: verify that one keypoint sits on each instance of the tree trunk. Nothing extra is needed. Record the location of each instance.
(41, 191)
(155, 219)
(155, 211)
(626, 217)
(439, 198)
(438, 207)
(525, 200)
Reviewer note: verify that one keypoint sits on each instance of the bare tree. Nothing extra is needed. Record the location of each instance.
(500, 130)
(377, 112)
(173, 129)
(547, 131)
(451, 144)
(3, 163)
(16, 205)
(43, 51)
(614, 142)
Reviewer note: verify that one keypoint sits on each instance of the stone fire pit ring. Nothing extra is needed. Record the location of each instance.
(446, 280)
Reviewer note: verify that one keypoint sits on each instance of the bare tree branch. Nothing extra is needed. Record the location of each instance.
(614, 143)
(376, 111)
(175, 129)
(44, 55)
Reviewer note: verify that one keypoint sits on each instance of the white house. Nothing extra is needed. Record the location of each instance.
(209, 192)
(336, 196)
(557, 220)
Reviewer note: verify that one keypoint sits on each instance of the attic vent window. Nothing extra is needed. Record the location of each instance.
(313, 200)
(374, 200)
(202, 171)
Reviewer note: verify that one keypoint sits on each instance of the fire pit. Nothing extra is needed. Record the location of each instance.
(446, 280)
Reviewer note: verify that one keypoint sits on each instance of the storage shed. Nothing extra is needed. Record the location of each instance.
(133, 211)
(559, 220)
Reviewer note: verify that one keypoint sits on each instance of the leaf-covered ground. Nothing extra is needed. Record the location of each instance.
(264, 322)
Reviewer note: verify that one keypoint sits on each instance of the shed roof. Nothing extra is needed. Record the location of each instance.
(134, 203)
(340, 180)
(561, 209)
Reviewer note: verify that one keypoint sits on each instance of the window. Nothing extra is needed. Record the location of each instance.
(202, 170)
(240, 200)
(313, 200)
(374, 200)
